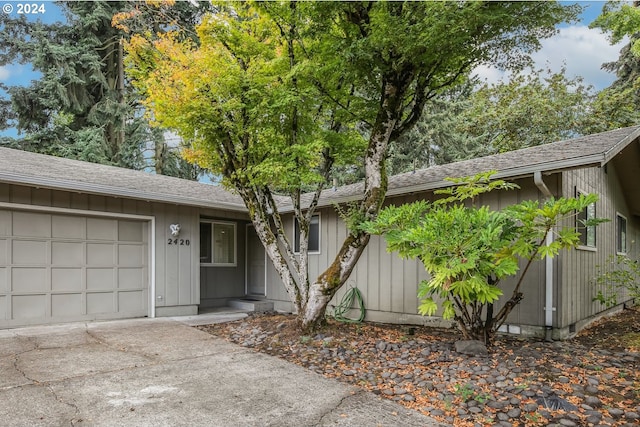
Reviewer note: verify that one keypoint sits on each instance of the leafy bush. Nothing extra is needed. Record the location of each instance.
(620, 274)
(467, 250)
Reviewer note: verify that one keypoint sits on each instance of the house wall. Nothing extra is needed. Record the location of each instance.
(220, 284)
(576, 305)
(177, 273)
(528, 317)
(389, 284)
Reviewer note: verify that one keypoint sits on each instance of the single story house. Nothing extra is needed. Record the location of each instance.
(82, 241)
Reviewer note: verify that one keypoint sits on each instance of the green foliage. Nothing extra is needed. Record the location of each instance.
(468, 250)
(620, 19)
(246, 91)
(352, 216)
(277, 95)
(621, 275)
(440, 136)
(617, 105)
(81, 107)
(75, 108)
(471, 187)
(528, 110)
(468, 392)
(478, 119)
(340, 52)
(465, 392)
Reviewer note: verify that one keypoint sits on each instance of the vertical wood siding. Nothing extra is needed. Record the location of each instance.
(219, 284)
(580, 266)
(389, 284)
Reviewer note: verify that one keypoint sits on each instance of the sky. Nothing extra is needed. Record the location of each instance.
(581, 49)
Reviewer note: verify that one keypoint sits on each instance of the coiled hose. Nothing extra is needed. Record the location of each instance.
(346, 303)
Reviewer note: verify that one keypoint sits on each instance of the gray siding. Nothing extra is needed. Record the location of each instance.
(579, 266)
(177, 275)
(176, 268)
(389, 284)
(220, 284)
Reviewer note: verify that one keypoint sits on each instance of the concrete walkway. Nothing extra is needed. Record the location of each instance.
(162, 372)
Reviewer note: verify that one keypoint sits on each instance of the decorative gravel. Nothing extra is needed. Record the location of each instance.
(519, 383)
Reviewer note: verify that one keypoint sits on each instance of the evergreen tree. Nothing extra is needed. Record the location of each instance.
(618, 105)
(440, 136)
(83, 107)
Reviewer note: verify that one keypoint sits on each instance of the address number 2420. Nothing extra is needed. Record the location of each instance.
(180, 242)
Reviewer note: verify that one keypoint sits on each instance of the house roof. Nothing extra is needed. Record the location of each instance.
(26, 168)
(592, 150)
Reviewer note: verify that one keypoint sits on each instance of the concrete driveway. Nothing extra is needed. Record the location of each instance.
(162, 372)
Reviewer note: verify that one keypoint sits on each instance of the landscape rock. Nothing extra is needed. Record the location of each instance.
(519, 382)
(471, 347)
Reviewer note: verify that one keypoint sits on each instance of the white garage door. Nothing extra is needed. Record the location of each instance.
(62, 268)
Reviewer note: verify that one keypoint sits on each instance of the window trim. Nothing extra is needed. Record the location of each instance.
(617, 234)
(296, 236)
(586, 246)
(235, 244)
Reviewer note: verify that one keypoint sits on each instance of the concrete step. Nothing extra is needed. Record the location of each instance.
(249, 304)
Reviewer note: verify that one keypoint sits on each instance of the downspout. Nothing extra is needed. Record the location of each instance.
(548, 300)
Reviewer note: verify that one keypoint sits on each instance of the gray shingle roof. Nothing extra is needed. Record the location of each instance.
(591, 150)
(21, 167)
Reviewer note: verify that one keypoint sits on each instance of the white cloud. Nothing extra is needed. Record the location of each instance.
(4, 73)
(580, 49)
(584, 50)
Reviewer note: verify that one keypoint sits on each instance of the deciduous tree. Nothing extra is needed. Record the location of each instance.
(478, 119)
(277, 94)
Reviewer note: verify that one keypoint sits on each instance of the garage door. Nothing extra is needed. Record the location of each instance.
(62, 268)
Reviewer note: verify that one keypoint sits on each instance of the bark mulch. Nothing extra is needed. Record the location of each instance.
(591, 380)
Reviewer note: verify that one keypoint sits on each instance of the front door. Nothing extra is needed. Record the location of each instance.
(256, 264)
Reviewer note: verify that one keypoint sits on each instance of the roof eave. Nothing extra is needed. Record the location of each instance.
(105, 190)
(620, 145)
(550, 167)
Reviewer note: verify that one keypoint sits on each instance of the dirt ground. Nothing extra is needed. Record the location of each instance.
(593, 379)
(615, 333)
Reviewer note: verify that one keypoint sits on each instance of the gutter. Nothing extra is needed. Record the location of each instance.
(549, 288)
(328, 198)
(510, 173)
(112, 191)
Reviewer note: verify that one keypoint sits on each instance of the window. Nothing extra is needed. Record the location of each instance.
(218, 243)
(587, 232)
(314, 235)
(621, 234)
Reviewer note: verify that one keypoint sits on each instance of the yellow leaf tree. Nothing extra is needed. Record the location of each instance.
(277, 94)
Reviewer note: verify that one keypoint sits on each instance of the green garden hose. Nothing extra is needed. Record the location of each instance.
(352, 295)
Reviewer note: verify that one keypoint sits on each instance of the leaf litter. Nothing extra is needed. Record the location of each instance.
(592, 379)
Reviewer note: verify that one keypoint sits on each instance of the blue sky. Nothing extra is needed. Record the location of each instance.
(21, 74)
(581, 49)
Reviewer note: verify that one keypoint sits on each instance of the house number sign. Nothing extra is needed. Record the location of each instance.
(175, 232)
(179, 242)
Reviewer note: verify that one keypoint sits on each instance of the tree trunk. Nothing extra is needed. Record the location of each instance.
(375, 188)
(328, 283)
(488, 326)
